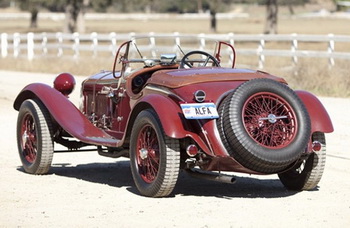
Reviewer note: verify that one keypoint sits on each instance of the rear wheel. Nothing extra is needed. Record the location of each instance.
(154, 157)
(306, 174)
(34, 137)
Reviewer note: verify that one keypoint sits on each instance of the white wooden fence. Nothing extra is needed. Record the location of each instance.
(43, 44)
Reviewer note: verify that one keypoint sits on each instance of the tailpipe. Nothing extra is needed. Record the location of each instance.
(212, 176)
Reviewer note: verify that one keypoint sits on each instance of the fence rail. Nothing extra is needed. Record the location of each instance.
(35, 45)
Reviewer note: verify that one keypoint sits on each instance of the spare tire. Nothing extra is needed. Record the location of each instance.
(264, 125)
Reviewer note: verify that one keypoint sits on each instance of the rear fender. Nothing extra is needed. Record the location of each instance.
(320, 120)
(65, 114)
(171, 118)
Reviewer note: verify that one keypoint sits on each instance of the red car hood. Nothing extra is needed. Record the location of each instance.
(181, 77)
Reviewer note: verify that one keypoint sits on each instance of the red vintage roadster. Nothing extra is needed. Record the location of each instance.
(170, 108)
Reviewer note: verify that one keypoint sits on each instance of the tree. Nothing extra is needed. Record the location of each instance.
(33, 7)
(75, 11)
(213, 9)
(200, 6)
(271, 17)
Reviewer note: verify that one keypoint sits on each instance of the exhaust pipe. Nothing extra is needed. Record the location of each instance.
(212, 176)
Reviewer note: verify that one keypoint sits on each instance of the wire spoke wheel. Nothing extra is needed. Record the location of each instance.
(154, 157)
(269, 120)
(34, 137)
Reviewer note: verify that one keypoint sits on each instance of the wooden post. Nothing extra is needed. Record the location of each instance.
(294, 48)
(76, 44)
(30, 46)
(113, 46)
(4, 45)
(260, 53)
(94, 43)
(16, 42)
(331, 47)
(59, 37)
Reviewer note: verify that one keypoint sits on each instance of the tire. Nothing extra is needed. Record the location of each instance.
(154, 157)
(34, 137)
(220, 122)
(306, 174)
(266, 126)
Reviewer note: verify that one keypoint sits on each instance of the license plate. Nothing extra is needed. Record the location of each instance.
(199, 111)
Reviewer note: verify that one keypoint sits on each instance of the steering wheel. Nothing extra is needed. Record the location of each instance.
(185, 62)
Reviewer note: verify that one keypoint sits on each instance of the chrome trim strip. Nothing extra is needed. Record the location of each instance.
(165, 91)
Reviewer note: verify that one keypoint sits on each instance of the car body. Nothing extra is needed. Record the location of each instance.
(170, 108)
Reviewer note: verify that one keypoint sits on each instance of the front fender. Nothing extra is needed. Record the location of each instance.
(65, 114)
(320, 120)
(171, 118)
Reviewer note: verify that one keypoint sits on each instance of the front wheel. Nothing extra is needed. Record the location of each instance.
(34, 137)
(306, 174)
(154, 157)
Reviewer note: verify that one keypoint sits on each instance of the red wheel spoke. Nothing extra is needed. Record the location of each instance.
(29, 139)
(269, 120)
(148, 154)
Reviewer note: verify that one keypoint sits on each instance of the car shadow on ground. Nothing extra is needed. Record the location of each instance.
(244, 187)
(118, 174)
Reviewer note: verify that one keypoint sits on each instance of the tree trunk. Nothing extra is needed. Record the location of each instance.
(213, 20)
(214, 7)
(71, 17)
(290, 8)
(81, 28)
(75, 11)
(34, 17)
(199, 6)
(271, 17)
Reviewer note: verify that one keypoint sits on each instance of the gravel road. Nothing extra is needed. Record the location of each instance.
(87, 190)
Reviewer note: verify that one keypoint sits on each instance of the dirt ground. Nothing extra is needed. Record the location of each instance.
(87, 190)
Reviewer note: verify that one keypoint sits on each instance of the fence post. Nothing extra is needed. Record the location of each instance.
(113, 38)
(94, 43)
(231, 38)
(76, 44)
(331, 45)
(232, 42)
(59, 37)
(177, 43)
(4, 45)
(30, 46)
(16, 42)
(132, 35)
(44, 43)
(201, 37)
(294, 48)
(152, 43)
(260, 53)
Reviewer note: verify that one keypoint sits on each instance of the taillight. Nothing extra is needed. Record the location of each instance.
(316, 146)
(192, 150)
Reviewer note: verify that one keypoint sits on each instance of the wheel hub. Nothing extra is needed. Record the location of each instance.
(25, 137)
(143, 153)
(272, 118)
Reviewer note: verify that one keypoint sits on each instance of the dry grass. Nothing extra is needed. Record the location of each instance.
(310, 74)
(313, 75)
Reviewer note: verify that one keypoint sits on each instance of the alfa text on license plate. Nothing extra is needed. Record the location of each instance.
(199, 111)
